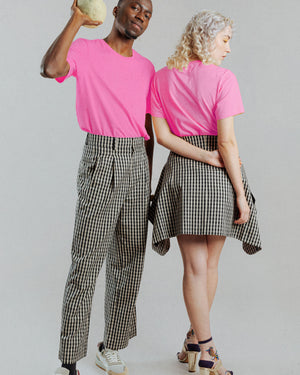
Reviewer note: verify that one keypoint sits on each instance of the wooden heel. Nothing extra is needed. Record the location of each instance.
(192, 360)
(185, 358)
(206, 371)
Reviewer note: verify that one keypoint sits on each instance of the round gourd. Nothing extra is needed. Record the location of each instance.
(95, 9)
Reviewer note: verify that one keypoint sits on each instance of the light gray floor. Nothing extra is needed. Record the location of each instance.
(256, 332)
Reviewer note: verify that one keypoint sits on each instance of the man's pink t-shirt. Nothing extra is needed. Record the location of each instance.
(192, 101)
(112, 91)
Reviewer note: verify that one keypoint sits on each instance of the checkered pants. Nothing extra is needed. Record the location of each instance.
(111, 224)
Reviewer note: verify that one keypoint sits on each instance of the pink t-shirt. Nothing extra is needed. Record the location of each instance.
(112, 91)
(193, 100)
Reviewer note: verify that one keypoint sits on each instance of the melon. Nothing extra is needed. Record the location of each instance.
(95, 9)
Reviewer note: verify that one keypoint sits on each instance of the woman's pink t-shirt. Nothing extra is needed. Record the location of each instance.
(112, 91)
(192, 101)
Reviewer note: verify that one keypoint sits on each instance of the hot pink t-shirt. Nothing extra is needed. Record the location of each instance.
(193, 100)
(112, 91)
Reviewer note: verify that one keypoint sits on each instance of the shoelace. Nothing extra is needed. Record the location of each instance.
(112, 357)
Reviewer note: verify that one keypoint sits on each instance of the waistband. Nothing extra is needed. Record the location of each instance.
(104, 143)
(207, 142)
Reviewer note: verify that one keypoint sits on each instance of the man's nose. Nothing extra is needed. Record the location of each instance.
(141, 17)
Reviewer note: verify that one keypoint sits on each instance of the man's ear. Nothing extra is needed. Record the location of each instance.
(115, 11)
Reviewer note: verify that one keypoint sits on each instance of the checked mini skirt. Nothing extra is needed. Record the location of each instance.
(197, 198)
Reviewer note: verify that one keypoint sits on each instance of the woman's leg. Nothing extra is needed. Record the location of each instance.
(194, 253)
(200, 256)
(215, 245)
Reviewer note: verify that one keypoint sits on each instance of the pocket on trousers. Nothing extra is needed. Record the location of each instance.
(86, 173)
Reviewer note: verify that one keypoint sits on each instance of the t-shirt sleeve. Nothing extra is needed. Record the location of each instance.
(229, 102)
(75, 51)
(156, 105)
(148, 104)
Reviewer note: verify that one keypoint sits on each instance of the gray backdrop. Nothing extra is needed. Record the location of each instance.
(255, 318)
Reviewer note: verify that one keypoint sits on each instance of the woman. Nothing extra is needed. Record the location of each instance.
(194, 102)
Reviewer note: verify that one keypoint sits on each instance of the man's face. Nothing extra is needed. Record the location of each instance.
(132, 17)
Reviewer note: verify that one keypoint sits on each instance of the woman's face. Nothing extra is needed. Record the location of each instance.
(221, 45)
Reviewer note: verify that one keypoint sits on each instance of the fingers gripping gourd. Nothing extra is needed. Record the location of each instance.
(95, 9)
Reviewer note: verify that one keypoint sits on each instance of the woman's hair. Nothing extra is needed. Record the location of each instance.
(198, 39)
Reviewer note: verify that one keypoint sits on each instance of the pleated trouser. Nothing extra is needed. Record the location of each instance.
(110, 223)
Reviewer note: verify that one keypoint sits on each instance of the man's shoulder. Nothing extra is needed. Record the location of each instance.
(144, 60)
(87, 43)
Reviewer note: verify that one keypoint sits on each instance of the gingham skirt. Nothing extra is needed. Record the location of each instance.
(196, 198)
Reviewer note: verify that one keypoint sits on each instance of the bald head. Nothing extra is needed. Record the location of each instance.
(120, 2)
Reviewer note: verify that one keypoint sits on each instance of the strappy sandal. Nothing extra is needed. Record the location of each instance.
(190, 352)
(211, 367)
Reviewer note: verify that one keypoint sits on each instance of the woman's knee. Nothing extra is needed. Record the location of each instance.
(196, 268)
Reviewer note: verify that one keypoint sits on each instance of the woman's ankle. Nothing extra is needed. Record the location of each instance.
(191, 337)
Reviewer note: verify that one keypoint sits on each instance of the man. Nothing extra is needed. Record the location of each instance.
(112, 100)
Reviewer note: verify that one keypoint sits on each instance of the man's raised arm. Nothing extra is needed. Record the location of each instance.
(54, 63)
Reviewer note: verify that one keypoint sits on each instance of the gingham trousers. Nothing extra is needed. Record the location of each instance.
(111, 223)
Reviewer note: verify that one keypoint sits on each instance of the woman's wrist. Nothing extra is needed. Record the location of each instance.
(241, 194)
(204, 156)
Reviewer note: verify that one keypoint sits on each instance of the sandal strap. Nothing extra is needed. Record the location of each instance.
(206, 364)
(205, 341)
(193, 348)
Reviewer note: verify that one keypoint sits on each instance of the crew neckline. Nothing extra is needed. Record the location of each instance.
(116, 53)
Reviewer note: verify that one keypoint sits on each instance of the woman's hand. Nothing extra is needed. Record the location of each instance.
(244, 210)
(215, 159)
(84, 18)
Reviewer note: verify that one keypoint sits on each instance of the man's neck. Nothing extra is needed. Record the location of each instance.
(120, 44)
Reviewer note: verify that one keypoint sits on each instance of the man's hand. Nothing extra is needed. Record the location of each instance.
(84, 18)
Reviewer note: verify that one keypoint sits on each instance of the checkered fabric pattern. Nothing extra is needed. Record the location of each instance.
(111, 223)
(196, 198)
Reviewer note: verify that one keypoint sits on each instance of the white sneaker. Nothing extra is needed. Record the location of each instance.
(63, 371)
(110, 361)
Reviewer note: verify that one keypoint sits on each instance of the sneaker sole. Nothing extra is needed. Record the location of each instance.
(110, 372)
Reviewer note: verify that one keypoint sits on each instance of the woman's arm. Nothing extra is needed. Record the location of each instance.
(230, 154)
(178, 145)
(54, 63)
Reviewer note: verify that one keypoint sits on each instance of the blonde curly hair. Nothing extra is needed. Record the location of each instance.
(198, 39)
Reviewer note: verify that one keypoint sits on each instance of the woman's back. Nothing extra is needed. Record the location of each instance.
(194, 99)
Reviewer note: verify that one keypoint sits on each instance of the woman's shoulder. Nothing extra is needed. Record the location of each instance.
(161, 75)
(163, 71)
(224, 73)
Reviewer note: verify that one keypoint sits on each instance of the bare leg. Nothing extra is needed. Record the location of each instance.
(194, 253)
(212, 276)
(200, 256)
(215, 245)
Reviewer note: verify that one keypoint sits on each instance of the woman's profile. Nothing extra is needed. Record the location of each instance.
(194, 102)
